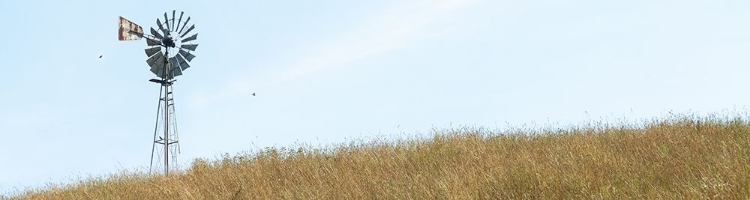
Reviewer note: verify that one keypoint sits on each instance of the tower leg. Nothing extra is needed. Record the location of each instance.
(156, 131)
(166, 125)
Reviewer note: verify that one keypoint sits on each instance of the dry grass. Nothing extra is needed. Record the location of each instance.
(676, 158)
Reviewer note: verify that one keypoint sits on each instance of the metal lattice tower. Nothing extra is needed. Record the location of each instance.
(170, 39)
(166, 145)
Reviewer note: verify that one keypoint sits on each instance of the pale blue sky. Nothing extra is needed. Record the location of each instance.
(327, 72)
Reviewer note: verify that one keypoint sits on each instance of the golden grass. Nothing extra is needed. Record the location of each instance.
(676, 158)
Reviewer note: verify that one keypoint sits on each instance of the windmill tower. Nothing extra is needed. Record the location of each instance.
(169, 54)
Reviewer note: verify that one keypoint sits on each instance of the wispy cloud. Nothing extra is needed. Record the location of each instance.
(401, 26)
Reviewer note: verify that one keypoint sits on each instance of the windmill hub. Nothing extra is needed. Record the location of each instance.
(168, 42)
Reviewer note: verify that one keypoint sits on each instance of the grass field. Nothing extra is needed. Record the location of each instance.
(681, 157)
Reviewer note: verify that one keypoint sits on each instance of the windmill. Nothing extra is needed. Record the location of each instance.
(169, 54)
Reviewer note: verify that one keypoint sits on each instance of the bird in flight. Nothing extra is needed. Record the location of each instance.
(253, 93)
(100, 56)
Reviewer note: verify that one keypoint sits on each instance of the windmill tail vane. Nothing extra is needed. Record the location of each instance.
(129, 30)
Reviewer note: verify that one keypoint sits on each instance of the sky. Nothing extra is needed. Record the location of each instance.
(328, 72)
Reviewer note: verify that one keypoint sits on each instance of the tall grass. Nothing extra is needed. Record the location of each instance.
(676, 158)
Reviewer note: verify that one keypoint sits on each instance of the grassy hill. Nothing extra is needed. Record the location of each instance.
(681, 157)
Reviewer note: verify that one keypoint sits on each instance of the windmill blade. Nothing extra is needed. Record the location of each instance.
(183, 63)
(166, 20)
(161, 27)
(173, 13)
(174, 63)
(156, 60)
(152, 42)
(190, 47)
(158, 71)
(187, 55)
(153, 50)
(175, 69)
(158, 66)
(175, 73)
(183, 25)
(188, 30)
(179, 21)
(156, 33)
(191, 38)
